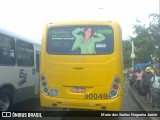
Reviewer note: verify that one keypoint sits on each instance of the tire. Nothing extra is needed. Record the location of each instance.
(6, 100)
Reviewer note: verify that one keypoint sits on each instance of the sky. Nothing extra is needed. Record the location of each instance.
(27, 17)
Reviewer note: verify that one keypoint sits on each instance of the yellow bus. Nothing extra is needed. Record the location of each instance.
(82, 66)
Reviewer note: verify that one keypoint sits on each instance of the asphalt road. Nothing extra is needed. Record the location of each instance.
(130, 104)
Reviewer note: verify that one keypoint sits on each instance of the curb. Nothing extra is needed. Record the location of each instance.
(136, 98)
(139, 102)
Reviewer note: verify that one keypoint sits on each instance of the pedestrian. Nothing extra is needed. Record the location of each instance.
(152, 70)
(156, 87)
(130, 76)
(125, 73)
(147, 83)
(138, 77)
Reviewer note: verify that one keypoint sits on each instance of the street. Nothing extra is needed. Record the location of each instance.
(130, 104)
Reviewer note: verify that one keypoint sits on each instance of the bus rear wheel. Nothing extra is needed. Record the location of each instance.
(6, 101)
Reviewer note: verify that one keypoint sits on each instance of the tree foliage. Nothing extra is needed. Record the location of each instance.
(146, 41)
(126, 54)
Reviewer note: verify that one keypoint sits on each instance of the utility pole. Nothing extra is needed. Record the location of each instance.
(132, 54)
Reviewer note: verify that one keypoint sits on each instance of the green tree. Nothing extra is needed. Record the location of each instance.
(146, 41)
(154, 30)
(126, 54)
(144, 44)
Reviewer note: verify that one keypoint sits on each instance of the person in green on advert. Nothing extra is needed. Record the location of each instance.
(86, 39)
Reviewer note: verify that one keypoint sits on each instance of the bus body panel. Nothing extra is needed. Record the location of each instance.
(23, 79)
(25, 89)
(111, 105)
(90, 74)
(69, 75)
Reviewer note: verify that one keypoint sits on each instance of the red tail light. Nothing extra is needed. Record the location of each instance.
(114, 88)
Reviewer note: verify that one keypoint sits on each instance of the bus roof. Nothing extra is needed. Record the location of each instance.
(17, 36)
(82, 23)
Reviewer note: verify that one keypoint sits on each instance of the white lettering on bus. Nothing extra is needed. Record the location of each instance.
(101, 45)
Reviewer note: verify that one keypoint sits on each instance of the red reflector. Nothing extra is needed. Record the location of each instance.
(115, 86)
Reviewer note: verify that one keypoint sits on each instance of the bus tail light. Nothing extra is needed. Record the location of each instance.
(114, 88)
(45, 88)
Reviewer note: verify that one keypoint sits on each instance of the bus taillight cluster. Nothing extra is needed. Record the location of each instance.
(45, 88)
(114, 88)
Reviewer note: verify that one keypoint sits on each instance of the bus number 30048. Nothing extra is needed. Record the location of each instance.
(96, 96)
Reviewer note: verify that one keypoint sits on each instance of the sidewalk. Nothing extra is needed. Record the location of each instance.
(140, 99)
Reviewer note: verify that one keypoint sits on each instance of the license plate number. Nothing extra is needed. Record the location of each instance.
(78, 90)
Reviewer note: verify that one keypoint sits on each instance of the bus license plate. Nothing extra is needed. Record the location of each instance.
(78, 90)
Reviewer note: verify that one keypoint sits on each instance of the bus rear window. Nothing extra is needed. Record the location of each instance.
(76, 40)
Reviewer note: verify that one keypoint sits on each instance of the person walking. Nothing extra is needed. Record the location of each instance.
(156, 87)
(138, 77)
(130, 77)
(147, 83)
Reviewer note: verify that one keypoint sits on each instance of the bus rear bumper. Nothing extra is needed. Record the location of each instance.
(107, 105)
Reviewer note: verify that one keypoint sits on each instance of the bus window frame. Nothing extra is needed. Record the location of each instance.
(20, 65)
(12, 41)
(107, 53)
